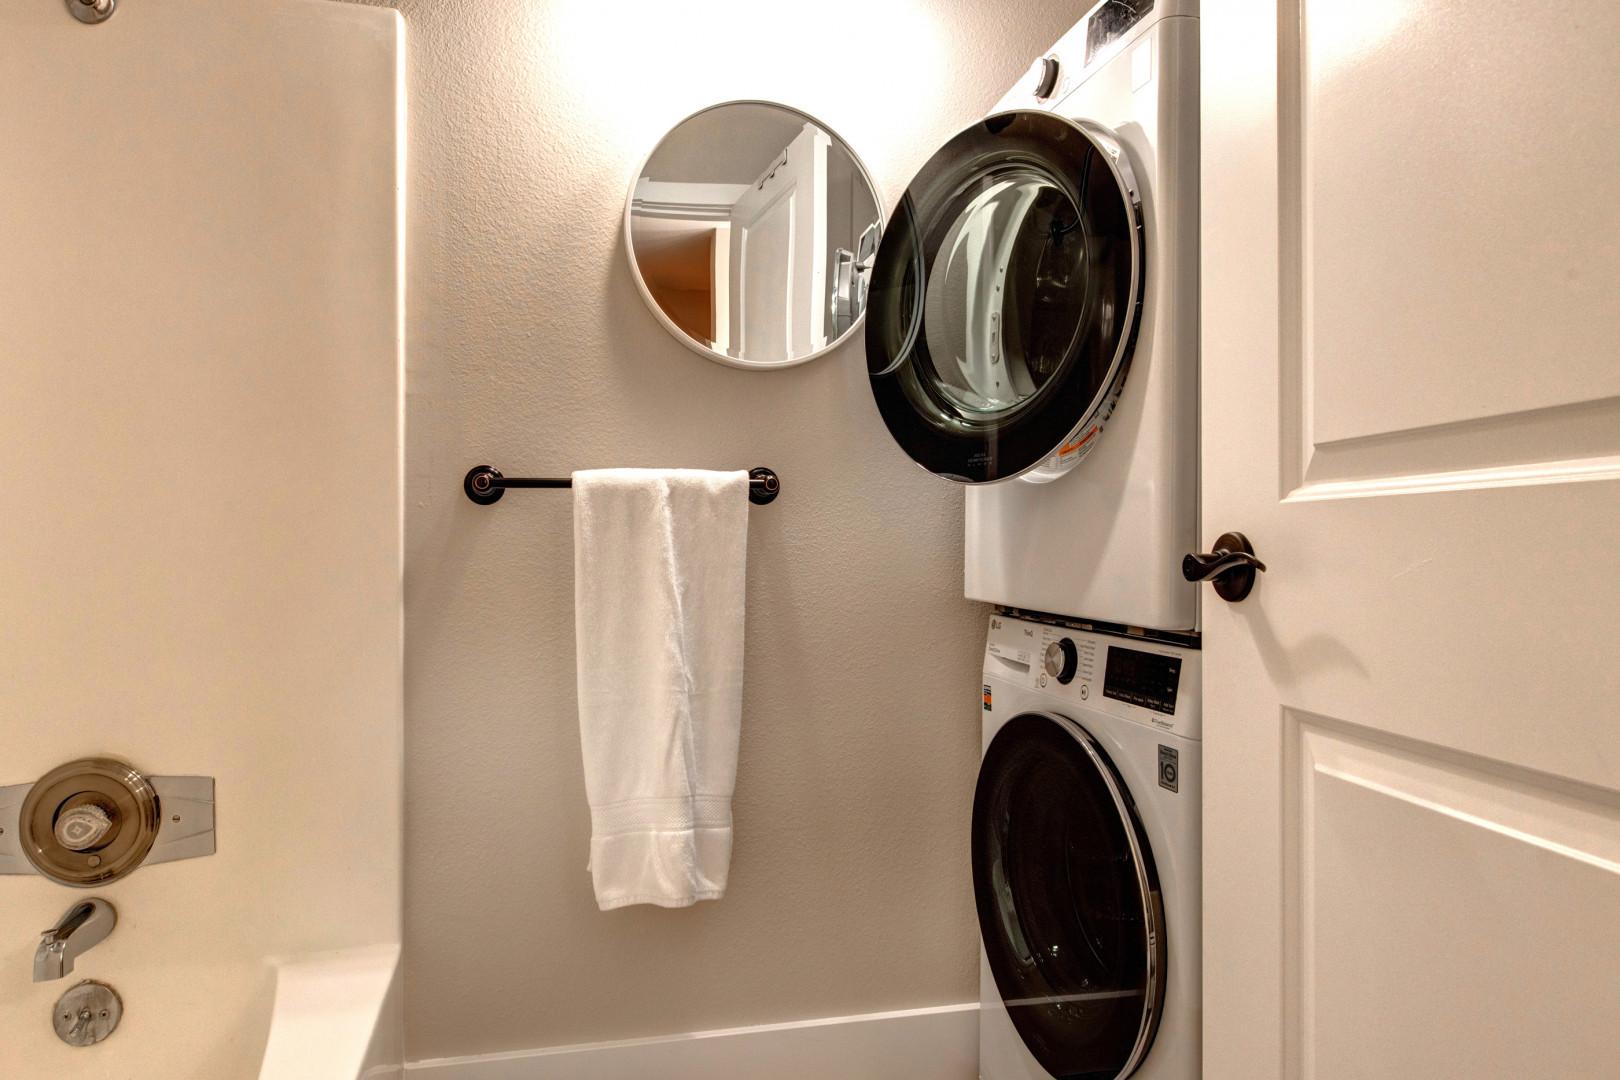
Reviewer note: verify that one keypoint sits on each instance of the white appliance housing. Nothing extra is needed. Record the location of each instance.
(1028, 919)
(1104, 540)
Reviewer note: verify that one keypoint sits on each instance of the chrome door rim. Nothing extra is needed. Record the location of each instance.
(961, 455)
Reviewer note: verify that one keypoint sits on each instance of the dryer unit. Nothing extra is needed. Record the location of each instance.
(1032, 327)
(1086, 844)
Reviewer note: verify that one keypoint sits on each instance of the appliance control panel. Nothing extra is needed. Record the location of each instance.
(1108, 31)
(1150, 682)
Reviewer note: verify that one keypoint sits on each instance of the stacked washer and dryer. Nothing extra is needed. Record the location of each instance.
(1032, 333)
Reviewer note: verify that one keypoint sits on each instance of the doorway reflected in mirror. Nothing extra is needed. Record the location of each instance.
(751, 230)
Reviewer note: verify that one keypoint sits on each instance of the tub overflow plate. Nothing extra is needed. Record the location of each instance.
(87, 1014)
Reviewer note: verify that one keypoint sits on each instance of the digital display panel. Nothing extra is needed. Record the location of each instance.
(1142, 678)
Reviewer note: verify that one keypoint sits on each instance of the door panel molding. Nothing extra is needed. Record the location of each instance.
(1559, 444)
(1406, 839)
(1552, 443)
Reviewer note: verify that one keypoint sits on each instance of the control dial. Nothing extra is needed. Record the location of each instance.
(83, 827)
(1042, 78)
(1062, 658)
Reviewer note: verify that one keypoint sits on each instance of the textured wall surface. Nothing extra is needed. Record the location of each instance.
(530, 349)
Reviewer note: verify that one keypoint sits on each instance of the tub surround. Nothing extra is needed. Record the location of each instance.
(210, 346)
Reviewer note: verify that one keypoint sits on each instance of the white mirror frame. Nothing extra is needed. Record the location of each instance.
(669, 324)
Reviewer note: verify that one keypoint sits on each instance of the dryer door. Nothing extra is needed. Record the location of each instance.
(1070, 913)
(1005, 297)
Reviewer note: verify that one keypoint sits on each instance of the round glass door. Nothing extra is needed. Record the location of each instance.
(1069, 908)
(1004, 299)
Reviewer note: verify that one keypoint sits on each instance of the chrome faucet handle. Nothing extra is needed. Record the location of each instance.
(83, 827)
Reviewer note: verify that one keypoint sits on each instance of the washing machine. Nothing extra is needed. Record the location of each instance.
(1086, 856)
(1032, 324)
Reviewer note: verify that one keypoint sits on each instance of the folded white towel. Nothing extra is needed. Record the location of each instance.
(659, 563)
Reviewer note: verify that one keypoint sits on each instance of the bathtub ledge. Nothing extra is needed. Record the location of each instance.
(329, 1009)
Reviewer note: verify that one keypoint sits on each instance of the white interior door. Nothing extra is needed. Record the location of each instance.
(720, 286)
(779, 295)
(1411, 401)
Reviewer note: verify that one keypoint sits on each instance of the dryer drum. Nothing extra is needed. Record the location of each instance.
(1070, 913)
(1005, 297)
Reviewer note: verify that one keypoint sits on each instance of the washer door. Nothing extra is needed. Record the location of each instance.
(1005, 297)
(1069, 907)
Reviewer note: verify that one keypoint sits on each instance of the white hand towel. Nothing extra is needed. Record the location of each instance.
(659, 563)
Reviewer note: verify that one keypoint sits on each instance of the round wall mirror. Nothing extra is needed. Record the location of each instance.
(751, 230)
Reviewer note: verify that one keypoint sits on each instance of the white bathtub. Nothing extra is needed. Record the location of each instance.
(336, 1016)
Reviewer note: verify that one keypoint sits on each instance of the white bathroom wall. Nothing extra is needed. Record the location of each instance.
(531, 350)
(200, 546)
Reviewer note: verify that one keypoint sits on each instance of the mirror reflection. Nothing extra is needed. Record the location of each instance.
(752, 229)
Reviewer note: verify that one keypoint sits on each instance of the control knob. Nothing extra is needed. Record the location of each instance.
(1062, 660)
(1042, 78)
(83, 827)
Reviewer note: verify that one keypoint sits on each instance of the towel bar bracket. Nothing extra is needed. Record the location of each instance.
(484, 484)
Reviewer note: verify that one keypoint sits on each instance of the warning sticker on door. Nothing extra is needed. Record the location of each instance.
(987, 698)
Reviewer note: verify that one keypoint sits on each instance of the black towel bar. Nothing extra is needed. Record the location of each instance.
(484, 484)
